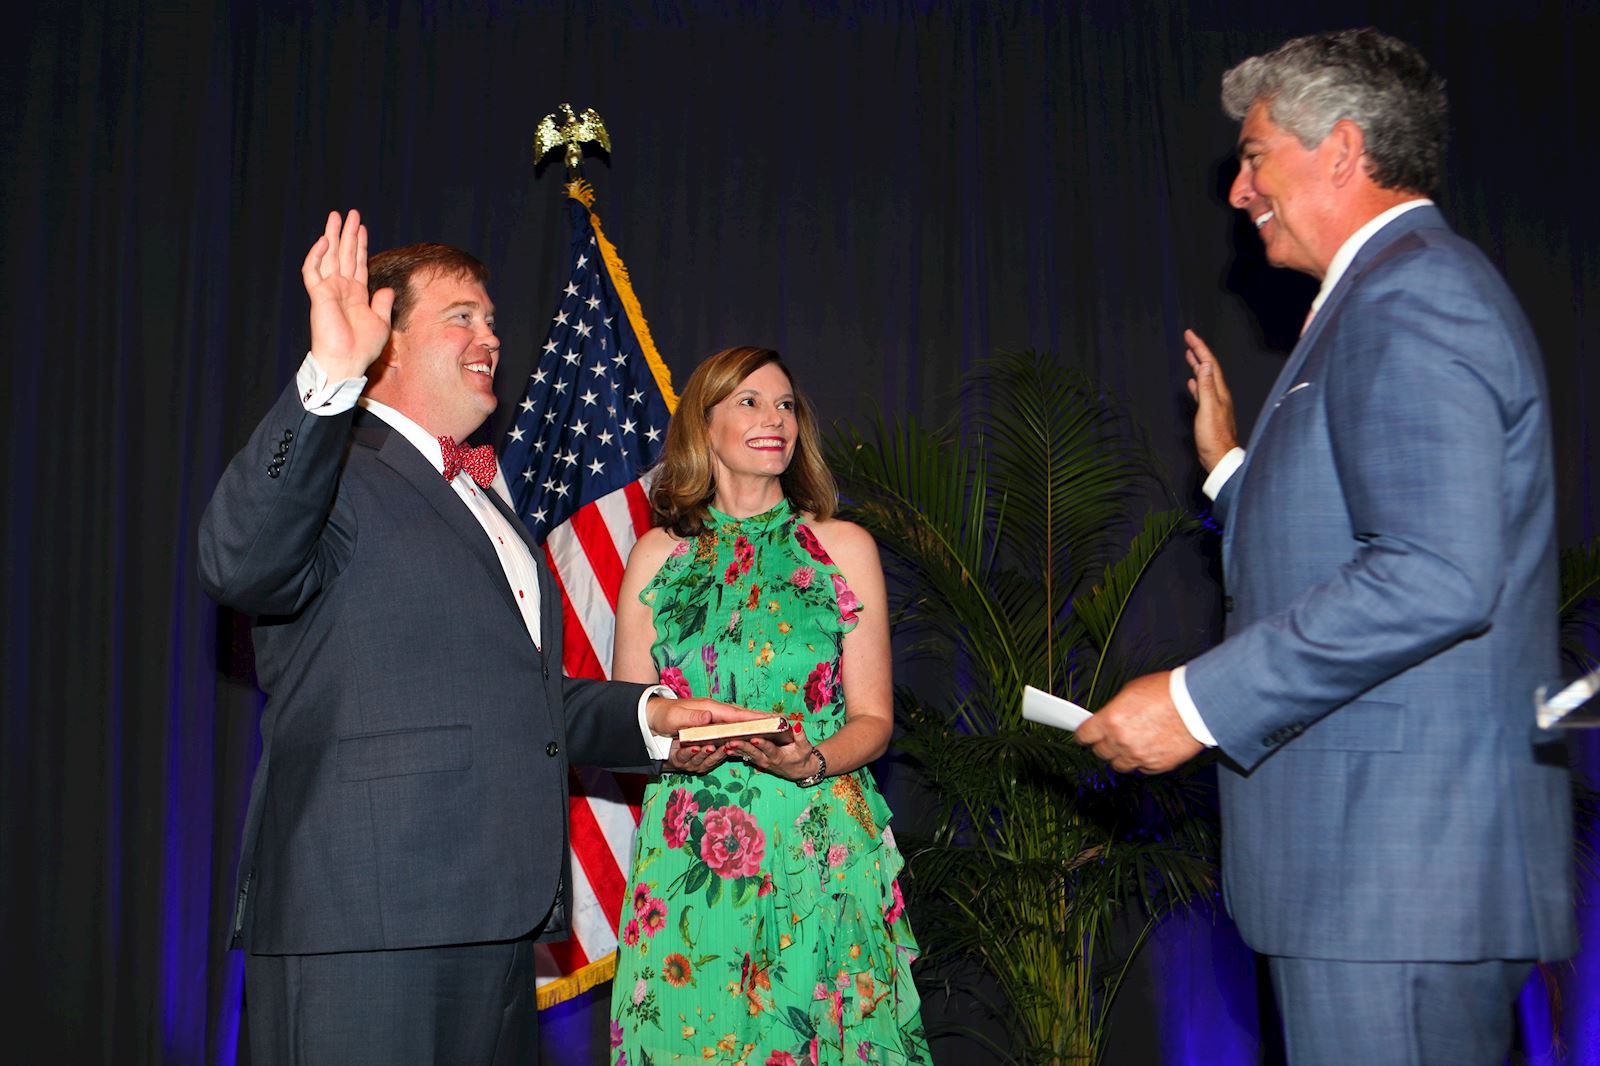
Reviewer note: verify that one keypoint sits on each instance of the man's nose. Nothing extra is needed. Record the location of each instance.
(1242, 191)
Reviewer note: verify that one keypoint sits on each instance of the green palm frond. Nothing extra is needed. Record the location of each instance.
(1014, 546)
(1099, 614)
(1061, 452)
(1580, 601)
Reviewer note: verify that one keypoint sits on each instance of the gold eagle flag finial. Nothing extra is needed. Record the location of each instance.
(563, 127)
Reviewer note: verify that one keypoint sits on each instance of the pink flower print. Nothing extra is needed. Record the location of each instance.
(821, 991)
(653, 918)
(813, 1051)
(641, 894)
(837, 854)
(780, 1058)
(819, 687)
(640, 990)
(808, 540)
(616, 1034)
(864, 1051)
(673, 678)
(681, 548)
(731, 574)
(849, 602)
(733, 844)
(808, 848)
(681, 807)
(766, 885)
(898, 907)
(801, 578)
(733, 620)
(630, 932)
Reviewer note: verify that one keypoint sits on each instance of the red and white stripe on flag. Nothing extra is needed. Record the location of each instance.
(587, 554)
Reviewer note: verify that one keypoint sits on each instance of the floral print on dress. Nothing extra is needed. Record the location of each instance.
(765, 923)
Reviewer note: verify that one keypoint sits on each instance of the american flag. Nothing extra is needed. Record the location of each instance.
(592, 422)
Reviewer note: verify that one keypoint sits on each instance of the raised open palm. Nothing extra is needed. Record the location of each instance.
(348, 330)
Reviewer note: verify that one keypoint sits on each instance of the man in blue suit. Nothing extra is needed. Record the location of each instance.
(406, 834)
(1396, 835)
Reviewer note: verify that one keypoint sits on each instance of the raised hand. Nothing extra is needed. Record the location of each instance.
(1215, 434)
(348, 330)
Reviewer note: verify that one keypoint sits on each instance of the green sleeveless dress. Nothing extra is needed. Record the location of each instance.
(763, 924)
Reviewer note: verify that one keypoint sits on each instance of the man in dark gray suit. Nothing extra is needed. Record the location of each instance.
(1396, 834)
(406, 835)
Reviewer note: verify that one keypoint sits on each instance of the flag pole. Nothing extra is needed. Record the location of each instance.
(578, 457)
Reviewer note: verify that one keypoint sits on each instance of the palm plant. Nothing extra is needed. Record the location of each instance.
(1015, 547)
(1580, 604)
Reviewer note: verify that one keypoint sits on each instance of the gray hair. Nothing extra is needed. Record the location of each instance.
(1381, 84)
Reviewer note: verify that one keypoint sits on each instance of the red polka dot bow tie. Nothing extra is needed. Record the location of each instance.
(479, 462)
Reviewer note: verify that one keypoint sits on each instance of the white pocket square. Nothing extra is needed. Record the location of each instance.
(1290, 391)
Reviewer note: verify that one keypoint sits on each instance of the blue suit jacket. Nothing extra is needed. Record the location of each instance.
(412, 788)
(1390, 555)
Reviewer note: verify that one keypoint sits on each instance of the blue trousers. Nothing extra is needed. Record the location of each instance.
(1397, 1013)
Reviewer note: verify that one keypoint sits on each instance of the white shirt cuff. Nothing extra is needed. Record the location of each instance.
(1222, 472)
(321, 396)
(1178, 688)
(658, 747)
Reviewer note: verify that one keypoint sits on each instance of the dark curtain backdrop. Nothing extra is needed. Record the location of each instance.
(884, 191)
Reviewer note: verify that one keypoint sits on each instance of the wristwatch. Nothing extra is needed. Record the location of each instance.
(822, 770)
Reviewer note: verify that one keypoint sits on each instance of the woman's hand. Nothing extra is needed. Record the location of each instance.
(695, 758)
(792, 761)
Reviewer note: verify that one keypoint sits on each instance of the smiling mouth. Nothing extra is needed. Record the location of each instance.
(481, 368)
(1263, 218)
(766, 442)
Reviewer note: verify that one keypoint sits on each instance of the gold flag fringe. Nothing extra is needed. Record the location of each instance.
(583, 192)
(577, 982)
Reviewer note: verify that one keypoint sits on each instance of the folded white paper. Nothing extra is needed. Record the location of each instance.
(1039, 706)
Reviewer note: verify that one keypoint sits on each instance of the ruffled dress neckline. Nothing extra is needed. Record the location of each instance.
(771, 518)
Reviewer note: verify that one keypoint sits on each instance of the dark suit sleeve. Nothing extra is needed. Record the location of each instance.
(266, 540)
(603, 725)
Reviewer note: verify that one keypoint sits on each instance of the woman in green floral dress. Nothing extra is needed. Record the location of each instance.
(764, 925)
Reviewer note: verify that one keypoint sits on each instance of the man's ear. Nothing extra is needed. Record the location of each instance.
(1349, 144)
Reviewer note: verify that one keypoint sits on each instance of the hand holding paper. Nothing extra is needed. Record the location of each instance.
(1140, 729)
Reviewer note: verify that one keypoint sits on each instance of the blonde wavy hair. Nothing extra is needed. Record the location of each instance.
(685, 480)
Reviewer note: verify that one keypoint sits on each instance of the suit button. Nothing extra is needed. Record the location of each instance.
(552, 749)
(1227, 604)
(288, 435)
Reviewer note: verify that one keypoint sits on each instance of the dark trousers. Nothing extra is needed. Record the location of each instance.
(466, 1005)
(1397, 1013)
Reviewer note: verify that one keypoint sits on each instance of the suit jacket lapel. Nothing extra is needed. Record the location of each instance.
(1290, 375)
(399, 455)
